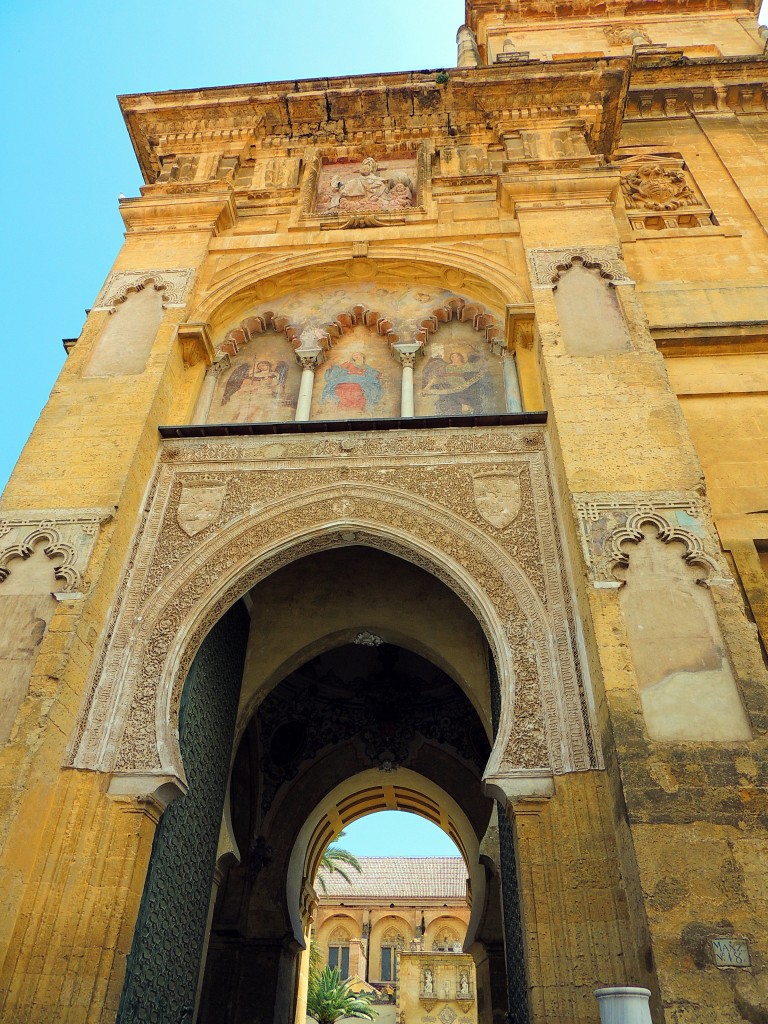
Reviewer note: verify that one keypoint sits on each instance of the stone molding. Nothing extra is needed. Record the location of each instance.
(513, 578)
(68, 535)
(196, 344)
(173, 283)
(547, 265)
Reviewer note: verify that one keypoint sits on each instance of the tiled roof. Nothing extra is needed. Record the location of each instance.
(400, 878)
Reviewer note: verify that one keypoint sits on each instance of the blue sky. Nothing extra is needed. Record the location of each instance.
(67, 155)
(396, 834)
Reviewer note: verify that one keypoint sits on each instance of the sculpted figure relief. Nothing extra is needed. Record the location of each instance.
(366, 187)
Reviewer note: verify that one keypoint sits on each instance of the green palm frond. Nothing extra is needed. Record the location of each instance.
(332, 860)
(329, 998)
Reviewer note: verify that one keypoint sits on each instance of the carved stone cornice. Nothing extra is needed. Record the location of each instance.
(555, 186)
(677, 86)
(313, 111)
(211, 211)
(518, 12)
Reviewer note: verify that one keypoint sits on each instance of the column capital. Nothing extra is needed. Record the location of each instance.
(309, 358)
(520, 788)
(196, 344)
(406, 353)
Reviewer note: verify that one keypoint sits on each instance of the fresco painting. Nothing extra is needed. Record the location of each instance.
(366, 186)
(261, 386)
(459, 375)
(360, 379)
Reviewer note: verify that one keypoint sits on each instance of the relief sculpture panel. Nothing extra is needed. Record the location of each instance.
(366, 186)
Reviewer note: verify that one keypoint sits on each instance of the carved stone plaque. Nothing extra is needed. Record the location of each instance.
(369, 186)
(731, 953)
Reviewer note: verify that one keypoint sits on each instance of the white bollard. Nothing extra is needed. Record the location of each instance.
(623, 1005)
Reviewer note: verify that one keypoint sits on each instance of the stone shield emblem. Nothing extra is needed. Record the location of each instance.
(497, 497)
(199, 506)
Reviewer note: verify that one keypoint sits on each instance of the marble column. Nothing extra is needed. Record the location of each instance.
(203, 406)
(309, 359)
(406, 356)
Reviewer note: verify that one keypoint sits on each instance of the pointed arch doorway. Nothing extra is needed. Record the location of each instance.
(351, 691)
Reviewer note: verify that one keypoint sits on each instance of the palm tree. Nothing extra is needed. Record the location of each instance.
(332, 860)
(329, 998)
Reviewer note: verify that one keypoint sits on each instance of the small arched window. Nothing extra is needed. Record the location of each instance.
(338, 951)
(390, 944)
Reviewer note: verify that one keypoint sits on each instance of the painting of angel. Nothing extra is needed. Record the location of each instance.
(262, 386)
(460, 376)
(457, 384)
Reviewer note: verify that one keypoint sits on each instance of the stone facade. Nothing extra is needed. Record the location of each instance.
(456, 382)
(400, 917)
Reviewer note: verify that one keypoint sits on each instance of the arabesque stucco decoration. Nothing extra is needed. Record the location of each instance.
(174, 285)
(67, 536)
(369, 489)
(548, 264)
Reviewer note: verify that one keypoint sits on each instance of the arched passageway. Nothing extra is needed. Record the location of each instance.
(364, 726)
(366, 684)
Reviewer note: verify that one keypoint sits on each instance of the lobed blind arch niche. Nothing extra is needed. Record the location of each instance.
(361, 353)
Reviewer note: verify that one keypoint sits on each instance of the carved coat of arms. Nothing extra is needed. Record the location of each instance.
(497, 497)
(199, 506)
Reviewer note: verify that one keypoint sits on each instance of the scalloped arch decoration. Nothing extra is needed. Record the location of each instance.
(549, 265)
(54, 547)
(359, 315)
(251, 326)
(465, 312)
(616, 557)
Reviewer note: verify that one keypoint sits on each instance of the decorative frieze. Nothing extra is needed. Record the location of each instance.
(548, 264)
(67, 538)
(174, 284)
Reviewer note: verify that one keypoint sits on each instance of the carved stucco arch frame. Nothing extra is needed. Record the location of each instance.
(480, 275)
(130, 723)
